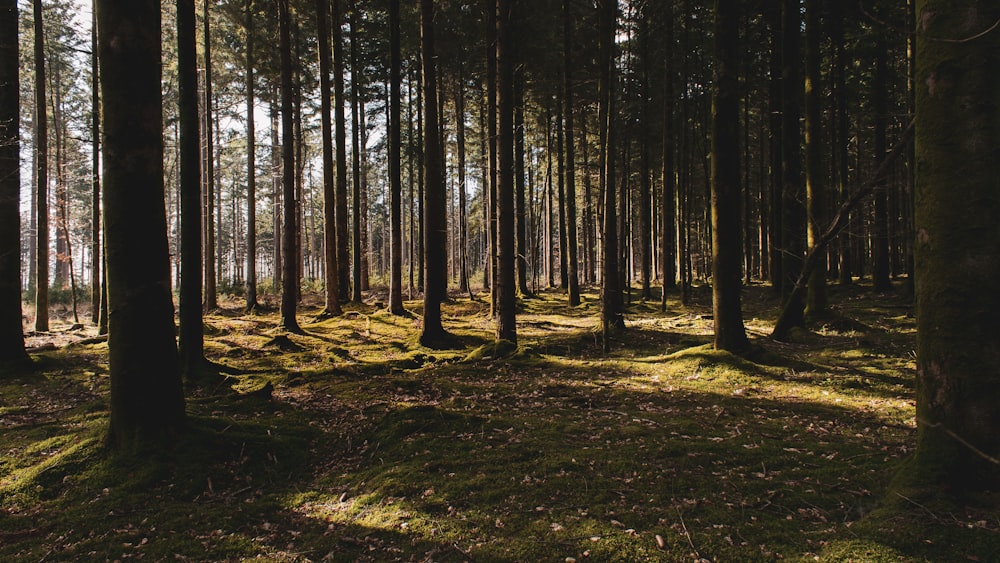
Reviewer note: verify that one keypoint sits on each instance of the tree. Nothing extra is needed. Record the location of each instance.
(332, 295)
(505, 282)
(395, 179)
(251, 249)
(792, 193)
(191, 342)
(727, 239)
(11, 331)
(958, 244)
(816, 303)
(435, 230)
(342, 265)
(289, 290)
(572, 270)
(210, 293)
(147, 401)
(41, 178)
(611, 298)
(668, 212)
(96, 249)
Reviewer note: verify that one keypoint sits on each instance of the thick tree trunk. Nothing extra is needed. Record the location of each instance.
(506, 288)
(289, 291)
(793, 213)
(11, 329)
(435, 223)
(727, 282)
(147, 401)
(41, 178)
(958, 244)
(395, 180)
(191, 338)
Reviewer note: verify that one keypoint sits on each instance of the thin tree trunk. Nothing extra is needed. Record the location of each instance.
(611, 299)
(395, 180)
(340, 134)
(668, 211)
(209, 258)
(42, 178)
(290, 270)
(572, 271)
(251, 249)
(880, 234)
(96, 248)
(463, 228)
(356, 173)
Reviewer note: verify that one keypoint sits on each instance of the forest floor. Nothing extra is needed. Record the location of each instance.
(351, 442)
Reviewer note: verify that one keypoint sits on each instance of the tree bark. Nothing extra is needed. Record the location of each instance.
(668, 213)
(96, 248)
(340, 133)
(958, 244)
(41, 178)
(572, 271)
(727, 243)
(11, 329)
(356, 149)
(332, 291)
(395, 179)
(611, 299)
(191, 337)
(251, 249)
(506, 288)
(147, 401)
(211, 300)
(816, 196)
(793, 213)
(880, 231)
(289, 291)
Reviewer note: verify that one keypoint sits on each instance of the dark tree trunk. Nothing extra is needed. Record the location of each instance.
(793, 213)
(251, 249)
(668, 211)
(727, 243)
(147, 400)
(842, 122)
(275, 190)
(332, 293)
(572, 271)
(880, 233)
(11, 330)
(41, 178)
(395, 180)
(356, 148)
(463, 227)
(96, 248)
(211, 301)
(191, 338)
(816, 192)
(491, 135)
(506, 288)
(611, 299)
(774, 93)
(520, 207)
(340, 131)
(435, 224)
(289, 291)
(645, 234)
(957, 245)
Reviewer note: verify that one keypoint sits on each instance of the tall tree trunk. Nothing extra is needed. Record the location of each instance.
(332, 293)
(506, 288)
(520, 207)
(880, 234)
(435, 225)
(275, 190)
(211, 301)
(147, 401)
(356, 149)
(251, 249)
(491, 135)
(191, 338)
(775, 151)
(668, 211)
(611, 299)
(645, 181)
(793, 213)
(957, 245)
(572, 272)
(96, 248)
(561, 196)
(842, 124)
(463, 227)
(395, 179)
(11, 329)
(41, 178)
(816, 192)
(289, 291)
(340, 134)
(727, 282)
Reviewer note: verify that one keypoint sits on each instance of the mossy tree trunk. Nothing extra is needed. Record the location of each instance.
(958, 243)
(11, 332)
(147, 401)
(727, 241)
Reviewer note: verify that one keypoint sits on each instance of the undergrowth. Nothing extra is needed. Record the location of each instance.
(372, 448)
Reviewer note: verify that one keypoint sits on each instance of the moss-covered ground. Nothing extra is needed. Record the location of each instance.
(371, 448)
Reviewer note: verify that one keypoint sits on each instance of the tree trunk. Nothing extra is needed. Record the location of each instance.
(816, 196)
(251, 249)
(611, 299)
(491, 134)
(463, 228)
(96, 248)
(211, 301)
(506, 288)
(395, 180)
(147, 401)
(842, 122)
(332, 292)
(356, 149)
(435, 224)
(880, 233)
(289, 291)
(958, 244)
(41, 178)
(645, 234)
(775, 151)
(727, 243)
(11, 329)
(668, 206)
(793, 213)
(572, 272)
(520, 207)
(191, 338)
(340, 132)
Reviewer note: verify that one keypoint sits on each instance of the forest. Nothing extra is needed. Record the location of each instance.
(499, 280)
